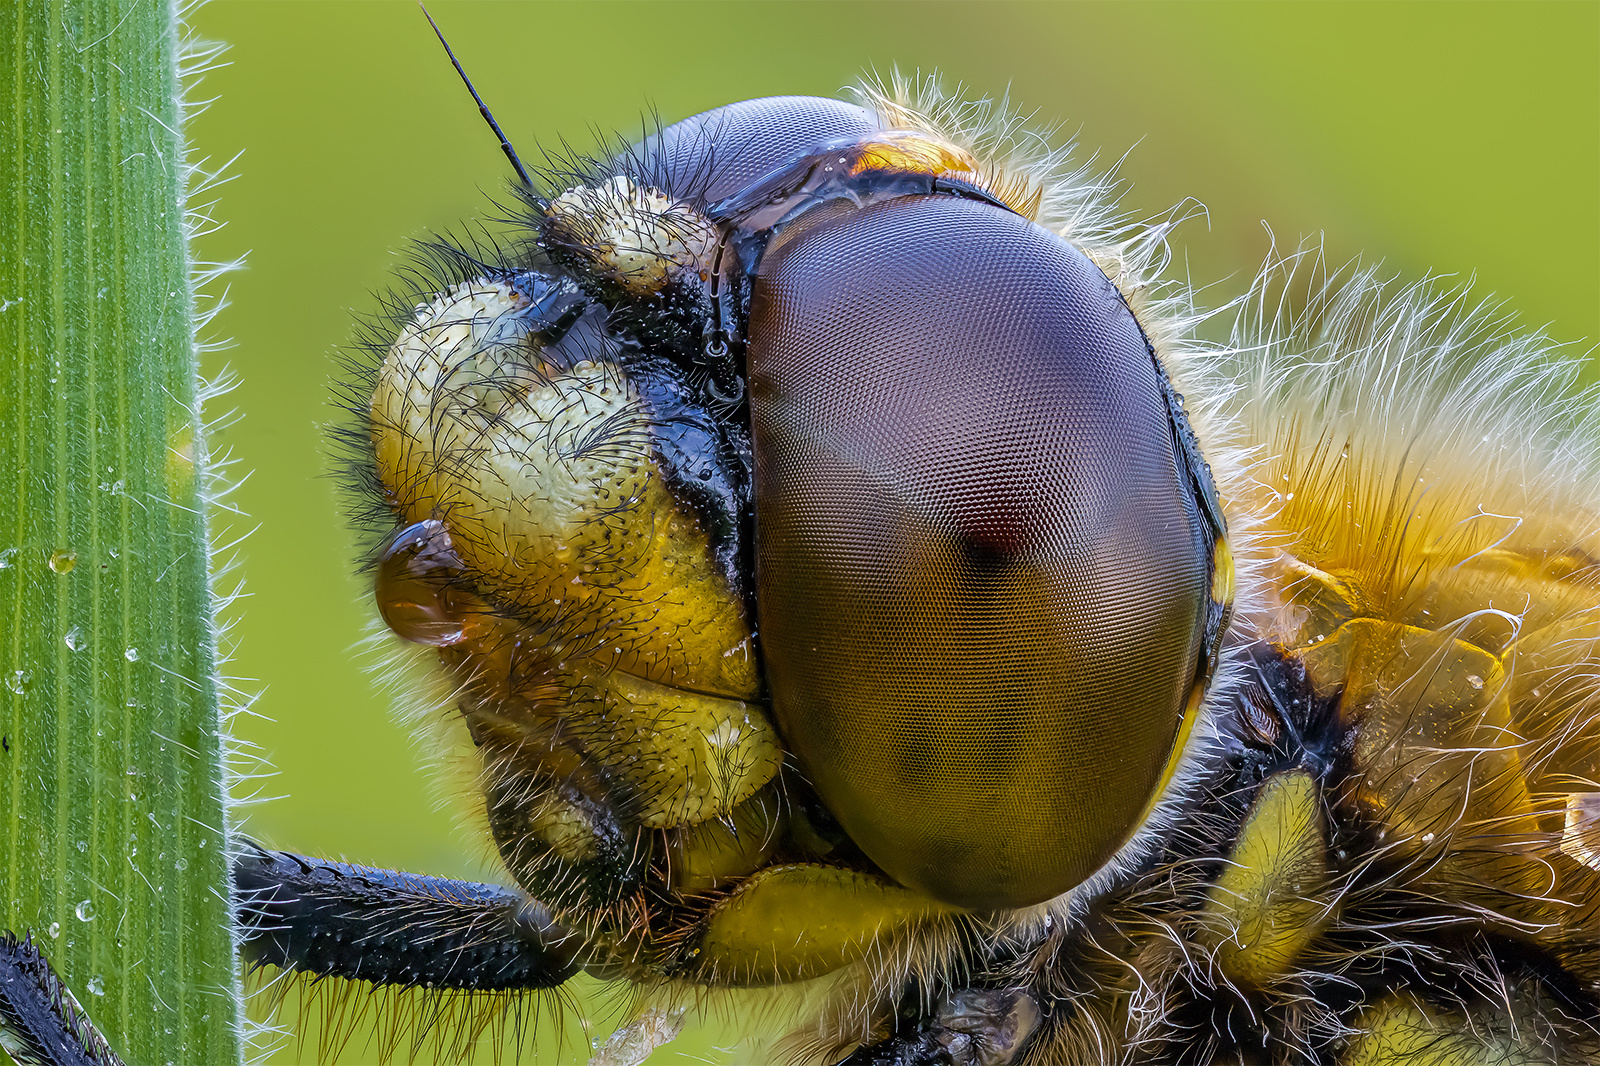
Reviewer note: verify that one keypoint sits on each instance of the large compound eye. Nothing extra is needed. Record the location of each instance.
(718, 152)
(982, 571)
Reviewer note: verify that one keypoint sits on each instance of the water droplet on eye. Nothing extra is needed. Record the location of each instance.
(74, 638)
(6, 557)
(97, 985)
(54, 930)
(84, 910)
(62, 561)
(1474, 680)
(132, 655)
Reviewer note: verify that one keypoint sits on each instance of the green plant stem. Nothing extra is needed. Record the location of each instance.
(112, 846)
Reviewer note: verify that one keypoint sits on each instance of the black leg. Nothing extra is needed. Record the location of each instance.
(361, 923)
(40, 1023)
(967, 1027)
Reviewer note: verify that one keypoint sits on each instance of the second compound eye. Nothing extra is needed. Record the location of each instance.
(983, 574)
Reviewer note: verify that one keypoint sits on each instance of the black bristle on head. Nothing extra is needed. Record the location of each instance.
(483, 108)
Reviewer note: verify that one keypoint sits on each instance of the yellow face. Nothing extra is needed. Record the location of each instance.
(845, 567)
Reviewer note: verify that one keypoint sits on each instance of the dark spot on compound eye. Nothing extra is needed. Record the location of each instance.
(986, 555)
(992, 539)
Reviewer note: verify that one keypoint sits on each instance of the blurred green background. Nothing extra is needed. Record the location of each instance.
(1453, 138)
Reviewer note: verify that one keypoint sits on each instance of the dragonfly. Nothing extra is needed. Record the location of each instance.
(851, 568)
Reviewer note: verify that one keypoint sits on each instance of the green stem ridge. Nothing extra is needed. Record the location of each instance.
(113, 825)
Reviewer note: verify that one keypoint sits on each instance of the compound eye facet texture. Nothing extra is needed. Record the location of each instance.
(719, 152)
(981, 575)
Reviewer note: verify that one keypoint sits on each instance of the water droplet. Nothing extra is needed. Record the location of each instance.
(1474, 680)
(62, 561)
(74, 638)
(84, 910)
(54, 930)
(132, 655)
(180, 864)
(6, 557)
(83, 845)
(17, 681)
(96, 985)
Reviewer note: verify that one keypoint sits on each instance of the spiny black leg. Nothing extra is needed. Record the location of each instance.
(968, 1027)
(361, 923)
(40, 1023)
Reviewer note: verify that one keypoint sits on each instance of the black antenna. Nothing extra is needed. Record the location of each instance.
(483, 108)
